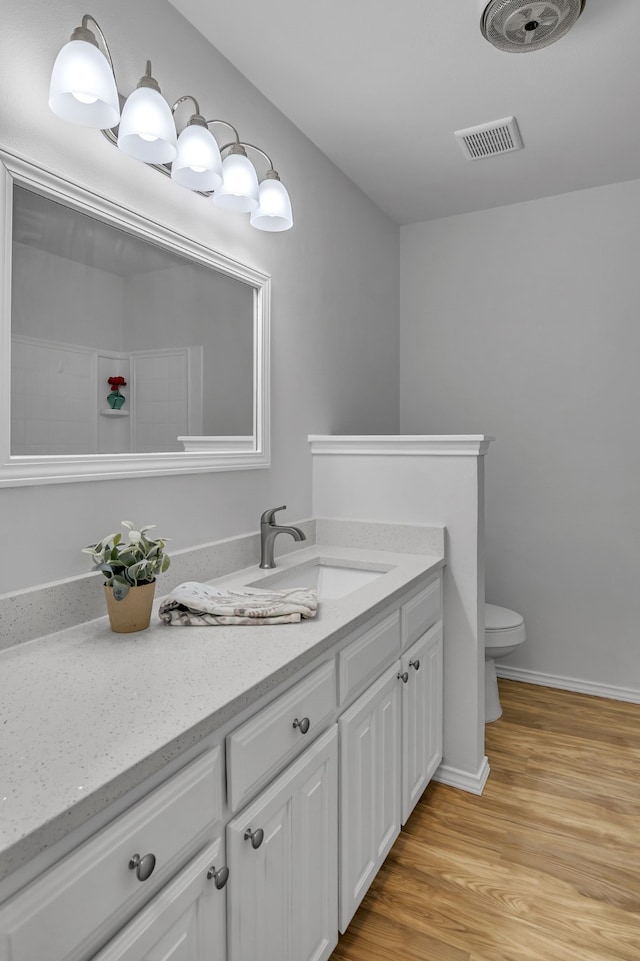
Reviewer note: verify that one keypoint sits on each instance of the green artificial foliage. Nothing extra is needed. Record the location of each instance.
(125, 564)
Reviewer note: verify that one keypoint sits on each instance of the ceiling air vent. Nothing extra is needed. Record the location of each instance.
(490, 139)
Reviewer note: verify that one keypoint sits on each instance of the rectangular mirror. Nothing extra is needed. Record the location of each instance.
(129, 349)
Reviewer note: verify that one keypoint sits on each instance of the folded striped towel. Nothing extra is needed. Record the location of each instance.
(199, 604)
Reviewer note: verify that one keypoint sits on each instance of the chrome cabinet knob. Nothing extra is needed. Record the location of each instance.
(256, 837)
(220, 877)
(403, 676)
(415, 664)
(143, 866)
(303, 725)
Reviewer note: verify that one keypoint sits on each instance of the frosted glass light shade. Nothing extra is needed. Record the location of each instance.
(198, 165)
(239, 188)
(83, 88)
(274, 211)
(147, 131)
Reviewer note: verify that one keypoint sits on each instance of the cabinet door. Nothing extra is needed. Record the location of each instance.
(421, 716)
(89, 895)
(184, 922)
(315, 848)
(283, 902)
(369, 787)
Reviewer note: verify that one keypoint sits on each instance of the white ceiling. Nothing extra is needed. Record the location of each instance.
(381, 88)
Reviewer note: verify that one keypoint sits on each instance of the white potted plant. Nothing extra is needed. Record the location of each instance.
(130, 568)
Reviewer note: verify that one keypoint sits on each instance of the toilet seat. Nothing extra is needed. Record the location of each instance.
(502, 627)
(501, 618)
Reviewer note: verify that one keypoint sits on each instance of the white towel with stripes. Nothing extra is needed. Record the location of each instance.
(194, 604)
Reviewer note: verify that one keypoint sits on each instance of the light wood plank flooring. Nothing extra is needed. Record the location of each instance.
(545, 866)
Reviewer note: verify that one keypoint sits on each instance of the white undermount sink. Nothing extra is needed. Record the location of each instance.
(331, 578)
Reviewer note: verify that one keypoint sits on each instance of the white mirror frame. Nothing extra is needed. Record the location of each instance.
(210, 454)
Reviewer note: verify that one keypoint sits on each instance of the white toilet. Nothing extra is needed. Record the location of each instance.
(503, 633)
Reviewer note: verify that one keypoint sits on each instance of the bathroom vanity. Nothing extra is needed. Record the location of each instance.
(220, 792)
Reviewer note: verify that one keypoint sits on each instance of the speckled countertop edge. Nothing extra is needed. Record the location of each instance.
(87, 715)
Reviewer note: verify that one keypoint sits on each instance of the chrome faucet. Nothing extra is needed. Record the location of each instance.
(269, 530)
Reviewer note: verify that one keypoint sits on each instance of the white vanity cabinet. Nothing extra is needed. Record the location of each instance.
(422, 711)
(186, 921)
(76, 906)
(390, 742)
(261, 848)
(282, 848)
(261, 747)
(369, 788)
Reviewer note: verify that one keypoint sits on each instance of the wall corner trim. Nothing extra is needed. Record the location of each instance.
(473, 783)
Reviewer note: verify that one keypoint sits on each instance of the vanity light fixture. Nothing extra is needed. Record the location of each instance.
(239, 189)
(198, 165)
(84, 91)
(83, 85)
(147, 131)
(274, 210)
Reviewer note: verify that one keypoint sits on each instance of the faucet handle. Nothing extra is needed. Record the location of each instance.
(268, 516)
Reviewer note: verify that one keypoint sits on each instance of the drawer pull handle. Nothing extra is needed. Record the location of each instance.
(143, 866)
(303, 725)
(221, 876)
(415, 664)
(404, 677)
(256, 837)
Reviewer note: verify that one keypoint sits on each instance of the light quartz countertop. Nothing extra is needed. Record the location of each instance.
(86, 715)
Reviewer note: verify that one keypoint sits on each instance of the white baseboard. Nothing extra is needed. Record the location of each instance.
(465, 780)
(569, 683)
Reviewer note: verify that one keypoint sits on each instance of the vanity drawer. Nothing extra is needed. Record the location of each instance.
(87, 896)
(267, 741)
(365, 658)
(421, 612)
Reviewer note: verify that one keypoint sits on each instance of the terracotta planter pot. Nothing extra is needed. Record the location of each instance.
(134, 612)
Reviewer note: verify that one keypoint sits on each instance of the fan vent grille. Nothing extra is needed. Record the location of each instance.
(490, 139)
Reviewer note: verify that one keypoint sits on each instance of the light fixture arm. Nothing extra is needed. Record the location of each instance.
(83, 33)
(271, 173)
(231, 127)
(148, 80)
(180, 100)
(195, 118)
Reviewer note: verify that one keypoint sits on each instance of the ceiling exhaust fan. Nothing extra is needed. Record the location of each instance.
(520, 26)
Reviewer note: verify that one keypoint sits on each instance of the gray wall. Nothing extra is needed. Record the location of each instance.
(334, 284)
(194, 306)
(522, 322)
(48, 307)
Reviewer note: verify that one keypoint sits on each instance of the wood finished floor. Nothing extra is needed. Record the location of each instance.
(545, 866)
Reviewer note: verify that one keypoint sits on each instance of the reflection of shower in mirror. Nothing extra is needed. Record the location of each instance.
(98, 291)
(58, 402)
(86, 288)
